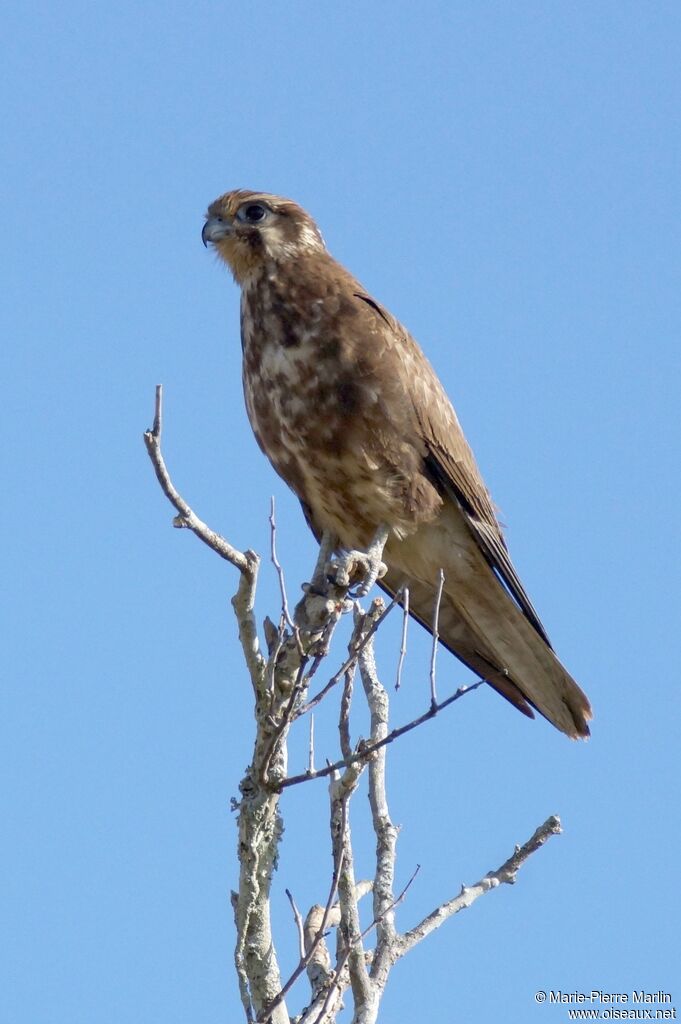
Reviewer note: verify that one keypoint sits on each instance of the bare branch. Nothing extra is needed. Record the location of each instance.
(243, 604)
(341, 789)
(403, 641)
(506, 874)
(274, 659)
(331, 1002)
(335, 984)
(239, 963)
(344, 713)
(436, 636)
(352, 659)
(333, 994)
(247, 562)
(280, 686)
(399, 899)
(280, 573)
(339, 857)
(386, 833)
(310, 752)
(260, 829)
(319, 969)
(365, 750)
(282, 727)
(186, 518)
(299, 923)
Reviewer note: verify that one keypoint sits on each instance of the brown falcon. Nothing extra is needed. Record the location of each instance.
(351, 414)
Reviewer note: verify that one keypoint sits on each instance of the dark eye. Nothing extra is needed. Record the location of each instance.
(253, 213)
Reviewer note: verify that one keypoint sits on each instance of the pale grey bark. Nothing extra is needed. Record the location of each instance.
(363, 958)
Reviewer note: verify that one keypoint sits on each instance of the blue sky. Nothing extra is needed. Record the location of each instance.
(505, 178)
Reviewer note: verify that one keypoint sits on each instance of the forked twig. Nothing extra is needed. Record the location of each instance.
(351, 659)
(365, 750)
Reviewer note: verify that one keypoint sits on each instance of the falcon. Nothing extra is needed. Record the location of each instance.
(352, 416)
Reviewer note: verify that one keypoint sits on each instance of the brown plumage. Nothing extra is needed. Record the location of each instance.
(351, 414)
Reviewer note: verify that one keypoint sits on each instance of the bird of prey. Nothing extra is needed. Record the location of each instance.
(351, 414)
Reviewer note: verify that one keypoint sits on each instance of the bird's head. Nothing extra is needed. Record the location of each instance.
(249, 229)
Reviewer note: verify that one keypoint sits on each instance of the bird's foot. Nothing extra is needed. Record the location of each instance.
(356, 568)
(362, 568)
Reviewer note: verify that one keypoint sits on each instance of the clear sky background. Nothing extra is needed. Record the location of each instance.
(505, 178)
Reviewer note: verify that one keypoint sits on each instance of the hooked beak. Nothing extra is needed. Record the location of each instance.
(215, 229)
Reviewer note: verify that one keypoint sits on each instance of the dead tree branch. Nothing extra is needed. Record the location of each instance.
(386, 833)
(280, 684)
(247, 562)
(505, 875)
(365, 750)
(186, 518)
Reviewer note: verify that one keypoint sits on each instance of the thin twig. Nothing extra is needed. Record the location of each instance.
(436, 636)
(393, 903)
(310, 758)
(299, 923)
(280, 576)
(352, 659)
(365, 750)
(403, 642)
(243, 561)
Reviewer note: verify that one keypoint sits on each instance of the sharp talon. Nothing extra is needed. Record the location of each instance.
(364, 570)
(358, 569)
(337, 574)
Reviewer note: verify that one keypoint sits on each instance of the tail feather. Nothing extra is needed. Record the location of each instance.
(480, 623)
(486, 630)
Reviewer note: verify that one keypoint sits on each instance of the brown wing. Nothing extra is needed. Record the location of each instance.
(486, 620)
(450, 461)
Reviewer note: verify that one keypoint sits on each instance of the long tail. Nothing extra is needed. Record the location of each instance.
(486, 630)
